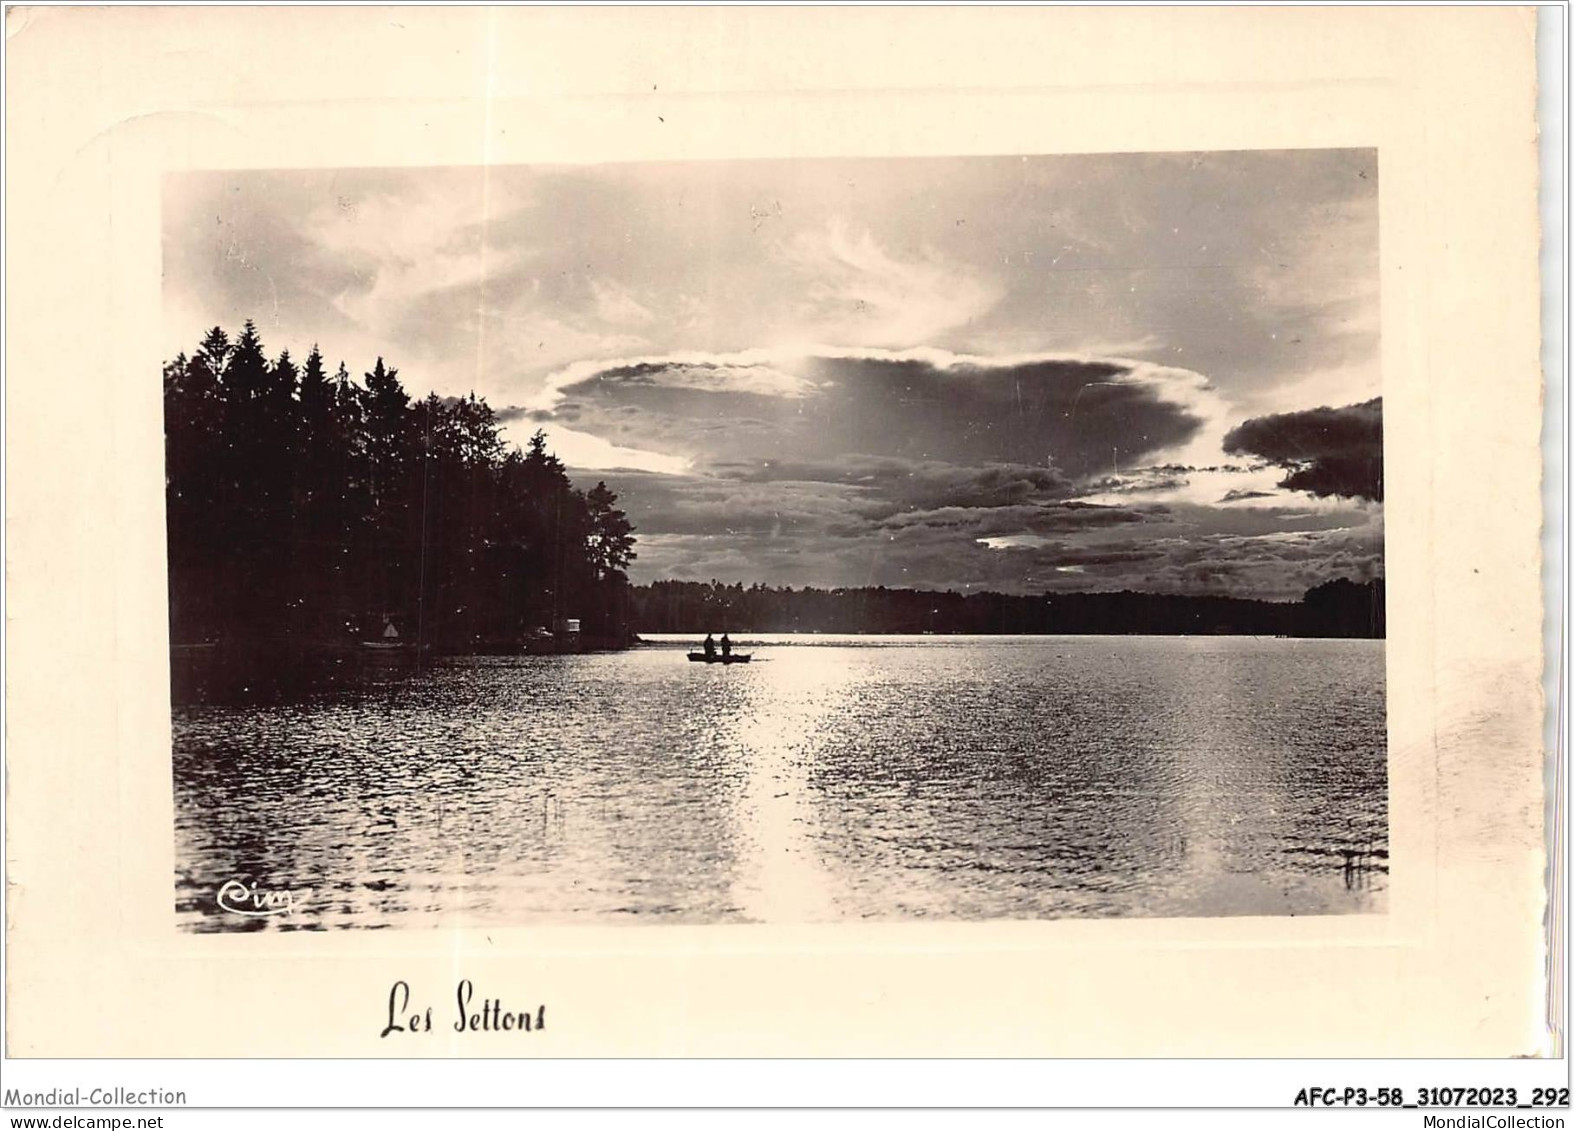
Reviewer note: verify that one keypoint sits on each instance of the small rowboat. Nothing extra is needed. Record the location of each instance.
(718, 658)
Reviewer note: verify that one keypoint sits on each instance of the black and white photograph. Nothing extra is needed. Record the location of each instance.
(782, 541)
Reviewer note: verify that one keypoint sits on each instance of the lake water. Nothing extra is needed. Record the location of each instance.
(834, 778)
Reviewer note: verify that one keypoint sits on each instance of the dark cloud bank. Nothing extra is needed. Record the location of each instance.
(1074, 414)
(946, 472)
(1327, 451)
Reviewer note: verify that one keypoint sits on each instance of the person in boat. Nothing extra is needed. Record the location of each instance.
(726, 646)
(710, 646)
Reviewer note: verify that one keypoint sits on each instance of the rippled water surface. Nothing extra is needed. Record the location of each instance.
(831, 779)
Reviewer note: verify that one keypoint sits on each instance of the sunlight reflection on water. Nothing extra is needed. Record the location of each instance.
(871, 778)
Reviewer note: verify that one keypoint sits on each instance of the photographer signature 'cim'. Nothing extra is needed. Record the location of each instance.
(240, 898)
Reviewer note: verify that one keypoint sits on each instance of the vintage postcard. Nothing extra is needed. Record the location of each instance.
(591, 530)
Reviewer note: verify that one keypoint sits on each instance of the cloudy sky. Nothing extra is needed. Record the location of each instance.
(1154, 372)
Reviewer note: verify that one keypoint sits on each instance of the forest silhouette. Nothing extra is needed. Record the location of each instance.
(310, 508)
(1340, 607)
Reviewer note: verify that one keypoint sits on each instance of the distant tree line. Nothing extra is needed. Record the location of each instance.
(303, 504)
(1336, 608)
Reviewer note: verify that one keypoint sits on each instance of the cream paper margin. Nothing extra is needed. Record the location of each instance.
(101, 103)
